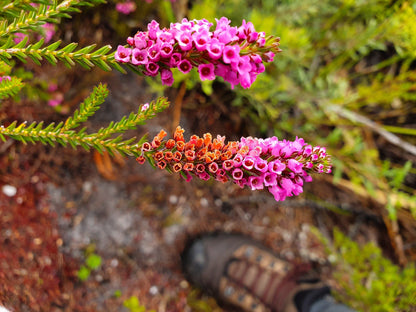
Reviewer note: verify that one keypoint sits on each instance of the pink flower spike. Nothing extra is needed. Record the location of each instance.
(206, 71)
(139, 57)
(123, 54)
(231, 54)
(185, 66)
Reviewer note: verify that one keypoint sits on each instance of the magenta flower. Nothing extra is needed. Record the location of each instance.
(255, 182)
(206, 71)
(185, 41)
(49, 31)
(201, 40)
(152, 69)
(166, 50)
(126, 7)
(154, 53)
(231, 54)
(19, 37)
(139, 57)
(123, 54)
(214, 49)
(175, 59)
(166, 76)
(185, 66)
(5, 78)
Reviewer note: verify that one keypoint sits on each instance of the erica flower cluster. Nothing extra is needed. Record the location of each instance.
(279, 166)
(236, 54)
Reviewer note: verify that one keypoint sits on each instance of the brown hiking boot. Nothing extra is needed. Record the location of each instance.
(240, 272)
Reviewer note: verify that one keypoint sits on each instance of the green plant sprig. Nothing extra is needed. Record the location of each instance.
(68, 55)
(46, 12)
(10, 87)
(64, 133)
(15, 8)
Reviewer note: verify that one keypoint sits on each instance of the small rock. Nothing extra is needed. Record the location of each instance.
(9, 190)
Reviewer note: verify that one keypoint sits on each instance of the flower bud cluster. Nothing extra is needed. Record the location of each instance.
(279, 166)
(236, 54)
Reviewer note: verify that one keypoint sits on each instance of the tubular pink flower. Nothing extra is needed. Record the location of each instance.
(166, 50)
(154, 53)
(185, 66)
(214, 48)
(256, 182)
(270, 179)
(185, 41)
(166, 76)
(206, 71)
(231, 54)
(261, 165)
(139, 57)
(248, 162)
(201, 40)
(152, 69)
(294, 165)
(141, 40)
(153, 28)
(123, 54)
(237, 174)
(175, 59)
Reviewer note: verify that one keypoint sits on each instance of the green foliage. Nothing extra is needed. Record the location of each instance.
(133, 305)
(68, 55)
(345, 77)
(21, 16)
(368, 280)
(92, 262)
(64, 133)
(10, 87)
